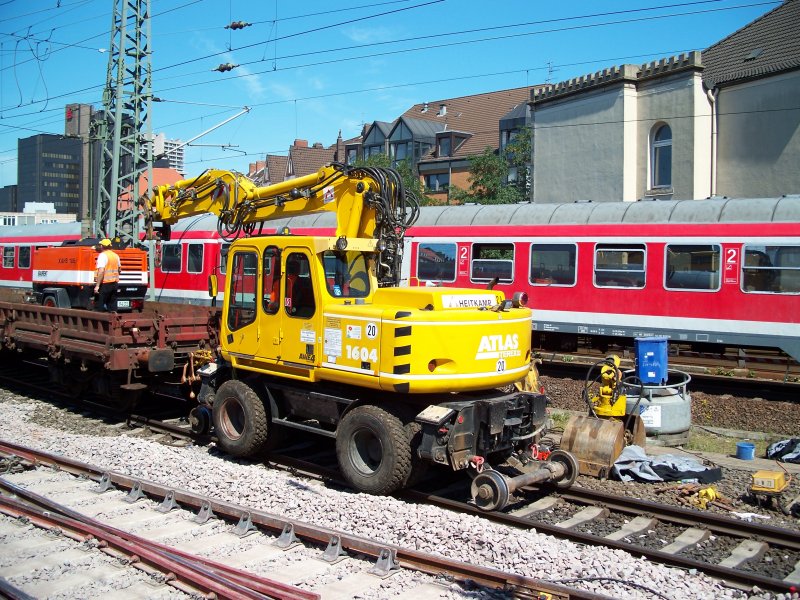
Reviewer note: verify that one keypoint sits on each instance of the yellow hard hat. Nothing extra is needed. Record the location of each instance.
(105, 242)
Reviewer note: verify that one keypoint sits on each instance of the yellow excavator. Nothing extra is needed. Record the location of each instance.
(316, 336)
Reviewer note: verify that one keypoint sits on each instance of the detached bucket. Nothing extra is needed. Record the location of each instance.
(745, 450)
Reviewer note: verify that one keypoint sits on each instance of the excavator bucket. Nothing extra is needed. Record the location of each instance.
(595, 443)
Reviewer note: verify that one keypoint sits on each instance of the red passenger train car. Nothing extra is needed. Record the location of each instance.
(709, 273)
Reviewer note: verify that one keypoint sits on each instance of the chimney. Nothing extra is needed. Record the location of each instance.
(442, 110)
(318, 145)
(424, 108)
(300, 143)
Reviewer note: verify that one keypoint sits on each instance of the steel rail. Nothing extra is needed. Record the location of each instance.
(742, 578)
(188, 574)
(263, 585)
(315, 535)
(775, 536)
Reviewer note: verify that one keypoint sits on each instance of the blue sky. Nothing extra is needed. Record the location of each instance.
(310, 69)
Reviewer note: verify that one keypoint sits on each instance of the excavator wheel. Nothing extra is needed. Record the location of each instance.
(240, 420)
(373, 450)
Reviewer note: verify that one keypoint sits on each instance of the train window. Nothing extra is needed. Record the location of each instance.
(346, 274)
(271, 282)
(493, 261)
(242, 293)
(24, 258)
(194, 258)
(692, 267)
(619, 265)
(171, 258)
(223, 258)
(8, 257)
(771, 269)
(436, 262)
(553, 264)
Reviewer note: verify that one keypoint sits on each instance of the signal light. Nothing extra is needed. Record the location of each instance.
(520, 299)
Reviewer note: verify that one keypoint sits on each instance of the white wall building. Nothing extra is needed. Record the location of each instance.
(724, 122)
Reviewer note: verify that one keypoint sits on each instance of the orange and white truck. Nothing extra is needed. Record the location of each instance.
(63, 276)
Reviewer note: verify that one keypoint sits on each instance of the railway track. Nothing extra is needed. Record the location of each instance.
(778, 373)
(139, 537)
(729, 549)
(735, 551)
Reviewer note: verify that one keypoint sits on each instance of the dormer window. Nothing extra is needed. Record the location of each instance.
(448, 143)
(445, 146)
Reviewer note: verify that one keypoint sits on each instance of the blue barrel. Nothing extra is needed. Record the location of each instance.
(651, 359)
(745, 451)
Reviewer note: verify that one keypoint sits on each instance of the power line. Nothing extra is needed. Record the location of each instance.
(316, 30)
(439, 46)
(445, 45)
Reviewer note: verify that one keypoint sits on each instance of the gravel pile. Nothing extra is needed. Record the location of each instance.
(425, 528)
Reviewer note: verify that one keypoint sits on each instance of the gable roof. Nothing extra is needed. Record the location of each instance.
(276, 167)
(304, 160)
(768, 45)
(478, 114)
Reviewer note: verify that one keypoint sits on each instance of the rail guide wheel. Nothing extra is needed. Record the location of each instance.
(491, 489)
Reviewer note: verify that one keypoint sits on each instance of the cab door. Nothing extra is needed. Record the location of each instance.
(240, 322)
(300, 311)
(270, 314)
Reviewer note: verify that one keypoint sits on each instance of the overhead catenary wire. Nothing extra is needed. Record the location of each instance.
(435, 46)
(6, 117)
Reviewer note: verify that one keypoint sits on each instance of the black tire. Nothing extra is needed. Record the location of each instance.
(240, 420)
(419, 467)
(50, 301)
(373, 450)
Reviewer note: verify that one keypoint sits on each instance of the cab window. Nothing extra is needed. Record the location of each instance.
(242, 290)
(271, 280)
(347, 274)
(299, 298)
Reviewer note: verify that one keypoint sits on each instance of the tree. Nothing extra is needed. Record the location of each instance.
(404, 168)
(488, 181)
(518, 154)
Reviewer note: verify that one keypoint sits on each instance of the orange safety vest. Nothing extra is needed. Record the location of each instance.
(111, 274)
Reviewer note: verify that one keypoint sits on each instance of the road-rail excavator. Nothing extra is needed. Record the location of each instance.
(316, 335)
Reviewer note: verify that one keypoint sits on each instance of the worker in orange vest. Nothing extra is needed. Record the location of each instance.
(106, 276)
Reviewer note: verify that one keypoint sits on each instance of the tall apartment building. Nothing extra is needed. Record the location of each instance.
(170, 151)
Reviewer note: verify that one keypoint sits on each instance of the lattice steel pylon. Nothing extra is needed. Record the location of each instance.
(123, 127)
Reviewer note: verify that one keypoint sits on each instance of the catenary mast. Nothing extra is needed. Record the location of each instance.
(123, 127)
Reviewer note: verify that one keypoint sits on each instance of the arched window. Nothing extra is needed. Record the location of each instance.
(661, 158)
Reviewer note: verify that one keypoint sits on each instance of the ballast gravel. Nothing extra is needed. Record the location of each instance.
(426, 528)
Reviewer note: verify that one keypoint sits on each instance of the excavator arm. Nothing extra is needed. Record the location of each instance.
(370, 203)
